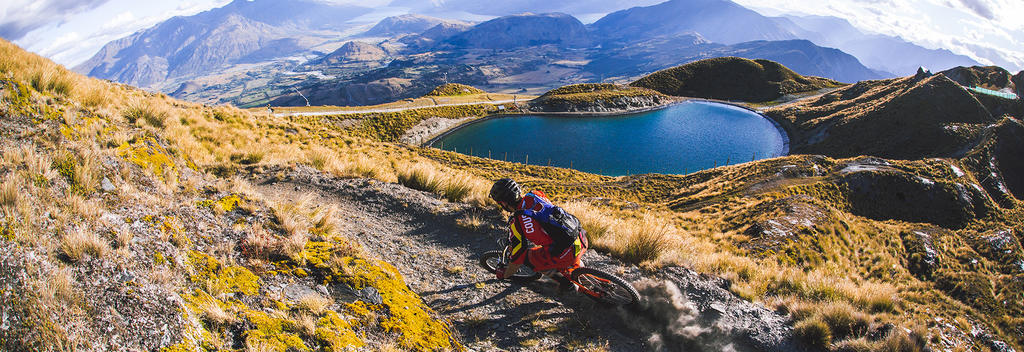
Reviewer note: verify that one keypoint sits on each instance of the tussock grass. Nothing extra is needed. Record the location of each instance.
(646, 239)
(321, 158)
(315, 304)
(53, 80)
(145, 111)
(10, 195)
(79, 243)
(471, 221)
(213, 313)
(815, 332)
(305, 324)
(420, 177)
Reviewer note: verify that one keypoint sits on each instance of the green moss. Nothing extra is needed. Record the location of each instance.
(148, 154)
(226, 203)
(337, 333)
(406, 314)
(232, 279)
(277, 334)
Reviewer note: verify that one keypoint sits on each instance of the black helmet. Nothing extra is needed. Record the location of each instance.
(505, 190)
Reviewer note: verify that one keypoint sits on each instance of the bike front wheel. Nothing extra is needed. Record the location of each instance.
(491, 260)
(604, 287)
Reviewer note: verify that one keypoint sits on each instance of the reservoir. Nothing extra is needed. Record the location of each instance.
(679, 139)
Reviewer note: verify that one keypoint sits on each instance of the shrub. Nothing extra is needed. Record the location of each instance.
(814, 332)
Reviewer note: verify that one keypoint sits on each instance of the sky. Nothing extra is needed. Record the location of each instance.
(990, 31)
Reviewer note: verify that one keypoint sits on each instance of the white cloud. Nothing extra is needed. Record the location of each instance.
(19, 17)
(987, 30)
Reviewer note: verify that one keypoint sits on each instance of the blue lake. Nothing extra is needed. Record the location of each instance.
(680, 139)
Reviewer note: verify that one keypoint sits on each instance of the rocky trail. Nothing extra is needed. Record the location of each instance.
(419, 234)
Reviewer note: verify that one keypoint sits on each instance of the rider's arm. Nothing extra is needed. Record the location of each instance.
(517, 243)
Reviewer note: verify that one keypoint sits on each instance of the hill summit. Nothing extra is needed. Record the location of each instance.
(732, 78)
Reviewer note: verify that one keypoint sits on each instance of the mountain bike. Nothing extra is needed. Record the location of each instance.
(602, 287)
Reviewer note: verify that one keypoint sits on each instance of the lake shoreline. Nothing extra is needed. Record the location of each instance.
(434, 136)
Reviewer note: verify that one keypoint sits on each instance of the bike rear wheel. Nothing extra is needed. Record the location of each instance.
(492, 259)
(604, 287)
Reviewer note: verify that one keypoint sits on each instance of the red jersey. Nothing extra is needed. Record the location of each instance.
(525, 232)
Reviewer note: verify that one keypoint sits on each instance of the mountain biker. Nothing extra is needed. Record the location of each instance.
(541, 235)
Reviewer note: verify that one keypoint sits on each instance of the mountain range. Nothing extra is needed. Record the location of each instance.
(290, 45)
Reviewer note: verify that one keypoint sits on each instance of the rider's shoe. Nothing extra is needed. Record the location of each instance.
(564, 285)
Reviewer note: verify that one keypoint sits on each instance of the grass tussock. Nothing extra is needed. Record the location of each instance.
(78, 244)
(420, 177)
(815, 332)
(140, 111)
(10, 195)
(315, 304)
(645, 240)
(451, 185)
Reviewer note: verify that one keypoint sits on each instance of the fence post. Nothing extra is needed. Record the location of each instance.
(570, 164)
(527, 159)
(726, 161)
(716, 164)
(505, 158)
(488, 153)
(754, 157)
(470, 151)
(549, 162)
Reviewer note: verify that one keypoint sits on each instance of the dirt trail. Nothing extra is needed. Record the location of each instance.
(417, 233)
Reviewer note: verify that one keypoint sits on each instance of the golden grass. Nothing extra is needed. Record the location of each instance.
(10, 195)
(471, 221)
(315, 304)
(420, 177)
(815, 332)
(77, 244)
(213, 313)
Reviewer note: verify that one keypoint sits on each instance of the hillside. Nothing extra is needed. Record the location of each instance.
(523, 30)
(130, 211)
(988, 77)
(720, 21)
(240, 32)
(353, 52)
(403, 24)
(905, 118)
(208, 228)
(732, 78)
(598, 98)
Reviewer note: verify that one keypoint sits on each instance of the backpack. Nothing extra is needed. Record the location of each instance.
(563, 227)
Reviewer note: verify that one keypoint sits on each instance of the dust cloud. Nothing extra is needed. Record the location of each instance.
(671, 321)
